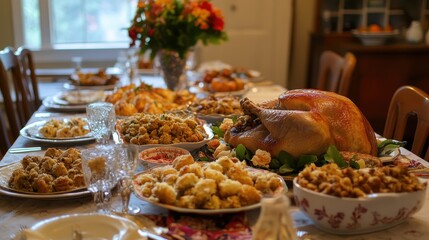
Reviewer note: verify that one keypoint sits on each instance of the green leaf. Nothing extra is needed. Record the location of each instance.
(240, 152)
(285, 158)
(217, 131)
(275, 163)
(354, 164)
(305, 160)
(386, 142)
(204, 159)
(332, 155)
(285, 169)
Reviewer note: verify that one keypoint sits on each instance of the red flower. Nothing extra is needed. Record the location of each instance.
(151, 31)
(217, 23)
(206, 5)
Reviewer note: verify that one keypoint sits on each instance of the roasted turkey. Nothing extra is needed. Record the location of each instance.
(303, 121)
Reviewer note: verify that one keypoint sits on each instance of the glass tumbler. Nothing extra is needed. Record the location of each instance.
(99, 170)
(101, 120)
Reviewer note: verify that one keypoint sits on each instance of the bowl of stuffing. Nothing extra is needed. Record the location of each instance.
(349, 201)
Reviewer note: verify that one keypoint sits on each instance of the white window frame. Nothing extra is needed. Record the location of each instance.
(105, 53)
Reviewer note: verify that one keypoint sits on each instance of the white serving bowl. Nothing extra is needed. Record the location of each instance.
(357, 215)
(374, 38)
(157, 156)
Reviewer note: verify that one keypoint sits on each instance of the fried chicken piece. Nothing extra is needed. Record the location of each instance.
(215, 175)
(186, 181)
(59, 170)
(144, 178)
(182, 161)
(186, 201)
(215, 166)
(53, 152)
(43, 183)
(231, 202)
(62, 183)
(194, 168)
(164, 193)
(237, 172)
(249, 195)
(20, 180)
(229, 187)
(213, 203)
(203, 190)
(225, 162)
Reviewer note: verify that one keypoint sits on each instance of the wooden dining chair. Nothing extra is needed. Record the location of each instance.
(335, 72)
(15, 101)
(25, 57)
(408, 100)
(10, 129)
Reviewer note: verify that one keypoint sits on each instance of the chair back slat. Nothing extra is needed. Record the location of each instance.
(409, 100)
(335, 72)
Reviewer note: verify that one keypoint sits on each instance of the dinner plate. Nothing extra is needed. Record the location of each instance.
(49, 103)
(31, 132)
(71, 86)
(190, 146)
(216, 118)
(238, 93)
(85, 226)
(78, 97)
(209, 211)
(6, 173)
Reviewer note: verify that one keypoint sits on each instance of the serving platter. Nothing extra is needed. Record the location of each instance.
(6, 173)
(78, 97)
(72, 86)
(87, 225)
(190, 146)
(31, 131)
(282, 190)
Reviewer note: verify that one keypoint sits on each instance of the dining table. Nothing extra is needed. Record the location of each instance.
(20, 211)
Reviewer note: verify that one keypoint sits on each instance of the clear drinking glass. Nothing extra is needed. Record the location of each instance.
(99, 170)
(101, 120)
(126, 160)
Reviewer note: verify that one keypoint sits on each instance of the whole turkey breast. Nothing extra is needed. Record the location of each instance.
(303, 121)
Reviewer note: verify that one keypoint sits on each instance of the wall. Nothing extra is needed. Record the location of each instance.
(6, 36)
(303, 24)
(303, 11)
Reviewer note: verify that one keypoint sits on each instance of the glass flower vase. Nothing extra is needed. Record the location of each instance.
(172, 69)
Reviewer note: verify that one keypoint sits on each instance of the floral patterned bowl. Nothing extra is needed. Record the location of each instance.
(357, 215)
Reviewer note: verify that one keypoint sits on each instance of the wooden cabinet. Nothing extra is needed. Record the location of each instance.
(380, 70)
(345, 15)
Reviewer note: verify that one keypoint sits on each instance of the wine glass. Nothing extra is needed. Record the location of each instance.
(101, 120)
(98, 166)
(126, 160)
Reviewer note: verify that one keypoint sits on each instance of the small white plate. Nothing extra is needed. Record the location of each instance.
(31, 131)
(78, 97)
(49, 102)
(216, 118)
(88, 226)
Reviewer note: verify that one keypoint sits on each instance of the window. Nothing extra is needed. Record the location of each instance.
(56, 25)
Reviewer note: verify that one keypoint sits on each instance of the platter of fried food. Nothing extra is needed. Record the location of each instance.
(131, 99)
(58, 130)
(167, 129)
(56, 174)
(222, 83)
(214, 109)
(91, 80)
(223, 186)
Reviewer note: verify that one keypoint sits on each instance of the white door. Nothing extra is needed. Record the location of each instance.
(259, 35)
